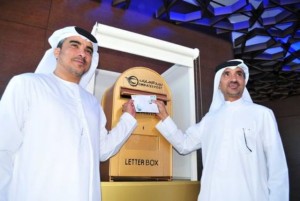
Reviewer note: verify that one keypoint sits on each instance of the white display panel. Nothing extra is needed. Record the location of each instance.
(133, 43)
(180, 79)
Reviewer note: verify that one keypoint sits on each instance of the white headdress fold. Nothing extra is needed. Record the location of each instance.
(48, 62)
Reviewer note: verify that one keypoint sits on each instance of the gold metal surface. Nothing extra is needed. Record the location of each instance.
(150, 191)
(147, 155)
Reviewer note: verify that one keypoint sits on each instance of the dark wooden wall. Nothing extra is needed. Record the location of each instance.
(26, 26)
(287, 113)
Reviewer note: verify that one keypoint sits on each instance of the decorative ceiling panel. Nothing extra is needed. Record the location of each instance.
(265, 34)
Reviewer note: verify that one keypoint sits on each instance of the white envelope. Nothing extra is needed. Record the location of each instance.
(144, 103)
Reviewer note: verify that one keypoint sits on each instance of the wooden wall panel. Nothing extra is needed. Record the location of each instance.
(30, 12)
(21, 49)
(285, 107)
(289, 128)
(81, 13)
(22, 36)
(119, 61)
(287, 113)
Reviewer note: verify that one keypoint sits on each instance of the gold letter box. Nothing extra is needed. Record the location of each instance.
(146, 155)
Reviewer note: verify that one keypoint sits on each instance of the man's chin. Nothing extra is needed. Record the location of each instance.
(80, 74)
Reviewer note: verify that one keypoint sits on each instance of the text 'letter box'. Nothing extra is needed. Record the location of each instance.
(146, 155)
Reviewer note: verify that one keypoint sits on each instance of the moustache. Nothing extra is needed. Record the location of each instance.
(79, 58)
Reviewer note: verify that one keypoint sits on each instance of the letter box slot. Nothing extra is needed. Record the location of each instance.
(125, 92)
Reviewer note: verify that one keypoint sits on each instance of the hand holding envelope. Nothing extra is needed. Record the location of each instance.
(144, 103)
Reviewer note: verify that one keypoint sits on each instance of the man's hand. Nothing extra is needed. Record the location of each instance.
(129, 107)
(163, 114)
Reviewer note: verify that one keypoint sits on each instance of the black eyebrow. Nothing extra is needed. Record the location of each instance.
(79, 43)
(240, 70)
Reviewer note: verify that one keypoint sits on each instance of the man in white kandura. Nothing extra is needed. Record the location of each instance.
(242, 153)
(52, 130)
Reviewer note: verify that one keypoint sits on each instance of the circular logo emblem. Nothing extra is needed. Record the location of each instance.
(132, 80)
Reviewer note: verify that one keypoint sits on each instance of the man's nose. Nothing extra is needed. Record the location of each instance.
(233, 77)
(82, 52)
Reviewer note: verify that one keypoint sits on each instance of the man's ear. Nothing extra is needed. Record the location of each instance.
(56, 52)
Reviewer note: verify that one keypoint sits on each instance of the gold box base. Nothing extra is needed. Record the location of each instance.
(150, 191)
